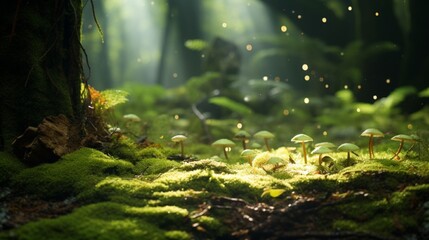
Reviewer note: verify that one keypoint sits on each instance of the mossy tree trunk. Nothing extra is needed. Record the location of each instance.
(40, 63)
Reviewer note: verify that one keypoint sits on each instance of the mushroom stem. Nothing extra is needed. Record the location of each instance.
(399, 150)
(225, 153)
(370, 148)
(244, 144)
(266, 144)
(304, 152)
(182, 151)
(348, 156)
(320, 159)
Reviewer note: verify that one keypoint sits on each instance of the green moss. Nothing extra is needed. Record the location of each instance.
(73, 174)
(9, 167)
(110, 221)
(125, 190)
(151, 152)
(209, 164)
(211, 226)
(149, 166)
(345, 225)
(124, 148)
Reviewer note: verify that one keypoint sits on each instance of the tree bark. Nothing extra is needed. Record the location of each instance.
(40, 59)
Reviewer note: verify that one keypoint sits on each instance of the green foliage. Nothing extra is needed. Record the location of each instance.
(196, 44)
(9, 167)
(232, 105)
(111, 221)
(73, 174)
(114, 97)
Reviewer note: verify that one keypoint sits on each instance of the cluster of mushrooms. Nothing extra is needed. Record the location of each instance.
(320, 148)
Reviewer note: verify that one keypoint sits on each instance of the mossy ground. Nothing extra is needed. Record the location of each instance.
(133, 193)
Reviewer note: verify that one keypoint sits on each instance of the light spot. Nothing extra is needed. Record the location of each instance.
(341, 53)
(161, 137)
(299, 16)
(326, 86)
(239, 125)
(324, 20)
(374, 97)
(203, 55)
(228, 149)
(377, 14)
(249, 47)
(350, 8)
(359, 87)
(306, 100)
(246, 99)
(285, 112)
(346, 87)
(410, 126)
(139, 59)
(307, 78)
(265, 78)
(325, 133)
(175, 75)
(283, 28)
(321, 79)
(318, 126)
(358, 110)
(304, 67)
(388, 81)
(224, 25)
(176, 117)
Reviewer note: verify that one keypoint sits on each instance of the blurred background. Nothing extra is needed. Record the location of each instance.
(329, 68)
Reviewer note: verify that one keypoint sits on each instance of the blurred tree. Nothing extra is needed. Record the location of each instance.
(40, 63)
(183, 18)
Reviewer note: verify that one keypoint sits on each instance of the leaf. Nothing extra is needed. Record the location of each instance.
(231, 105)
(114, 97)
(196, 44)
(424, 93)
(274, 192)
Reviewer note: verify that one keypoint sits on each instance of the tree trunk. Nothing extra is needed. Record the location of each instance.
(40, 63)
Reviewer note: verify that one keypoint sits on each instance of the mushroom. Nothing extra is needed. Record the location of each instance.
(371, 133)
(264, 135)
(248, 154)
(243, 136)
(302, 138)
(224, 143)
(321, 150)
(401, 138)
(131, 118)
(326, 144)
(347, 147)
(180, 139)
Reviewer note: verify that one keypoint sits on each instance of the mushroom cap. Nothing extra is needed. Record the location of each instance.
(372, 132)
(223, 143)
(347, 147)
(325, 144)
(403, 137)
(275, 160)
(131, 117)
(179, 138)
(301, 138)
(247, 153)
(242, 135)
(263, 134)
(321, 149)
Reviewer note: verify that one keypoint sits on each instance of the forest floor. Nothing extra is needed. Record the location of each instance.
(131, 193)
